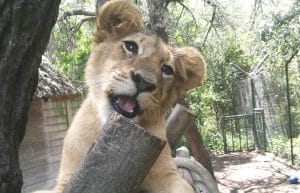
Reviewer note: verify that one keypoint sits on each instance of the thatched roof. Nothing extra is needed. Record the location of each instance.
(52, 83)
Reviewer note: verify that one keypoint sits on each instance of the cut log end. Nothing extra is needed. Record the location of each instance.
(119, 160)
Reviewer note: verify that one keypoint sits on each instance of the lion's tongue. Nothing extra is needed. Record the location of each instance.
(126, 103)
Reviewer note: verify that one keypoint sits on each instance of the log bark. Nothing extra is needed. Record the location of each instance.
(196, 143)
(118, 161)
(198, 149)
(177, 122)
(25, 27)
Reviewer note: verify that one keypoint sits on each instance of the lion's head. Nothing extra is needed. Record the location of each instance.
(134, 73)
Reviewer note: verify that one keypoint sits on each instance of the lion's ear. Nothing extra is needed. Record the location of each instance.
(116, 19)
(193, 67)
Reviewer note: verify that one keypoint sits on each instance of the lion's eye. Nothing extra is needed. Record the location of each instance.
(131, 47)
(167, 69)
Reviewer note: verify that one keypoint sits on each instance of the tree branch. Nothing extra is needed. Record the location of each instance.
(288, 61)
(258, 68)
(239, 68)
(179, 17)
(79, 24)
(211, 23)
(67, 14)
(257, 4)
(186, 8)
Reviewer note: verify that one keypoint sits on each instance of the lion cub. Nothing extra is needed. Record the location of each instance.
(138, 76)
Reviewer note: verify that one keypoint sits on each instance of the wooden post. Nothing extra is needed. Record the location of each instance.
(119, 159)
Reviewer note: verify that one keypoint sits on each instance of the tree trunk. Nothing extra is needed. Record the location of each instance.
(25, 27)
(119, 160)
(157, 18)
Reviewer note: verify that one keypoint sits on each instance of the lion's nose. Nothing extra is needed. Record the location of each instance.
(140, 83)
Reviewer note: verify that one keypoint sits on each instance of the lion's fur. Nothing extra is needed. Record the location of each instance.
(108, 72)
(116, 19)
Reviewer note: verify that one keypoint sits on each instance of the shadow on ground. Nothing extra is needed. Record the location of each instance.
(252, 172)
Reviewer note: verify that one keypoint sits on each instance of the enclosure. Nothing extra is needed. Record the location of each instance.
(249, 101)
(250, 98)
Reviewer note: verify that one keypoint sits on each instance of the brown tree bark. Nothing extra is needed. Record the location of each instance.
(25, 27)
(119, 160)
(158, 18)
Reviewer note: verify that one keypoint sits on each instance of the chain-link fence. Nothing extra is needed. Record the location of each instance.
(261, 119)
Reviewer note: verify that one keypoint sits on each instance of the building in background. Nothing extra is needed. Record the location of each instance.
(52, 109)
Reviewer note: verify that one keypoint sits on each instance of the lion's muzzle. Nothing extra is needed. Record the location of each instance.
(141, 84)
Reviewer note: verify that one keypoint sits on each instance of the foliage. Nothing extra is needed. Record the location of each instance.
(213, 141)
(72, 62)
(234, 52)
(281, 39)
(69, 46)
(280, 146)
(182, 142)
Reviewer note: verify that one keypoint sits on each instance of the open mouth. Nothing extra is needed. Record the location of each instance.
(125, 105)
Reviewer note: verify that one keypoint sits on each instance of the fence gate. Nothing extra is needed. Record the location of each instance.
(243, 132)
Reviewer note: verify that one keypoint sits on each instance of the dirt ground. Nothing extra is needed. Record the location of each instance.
(253, 172)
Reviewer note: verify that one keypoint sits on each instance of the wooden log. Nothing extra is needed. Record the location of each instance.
(181, 122)
(118, 161)
(197, 146)
(177, 122)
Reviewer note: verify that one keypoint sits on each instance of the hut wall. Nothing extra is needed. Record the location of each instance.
(40, 150)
